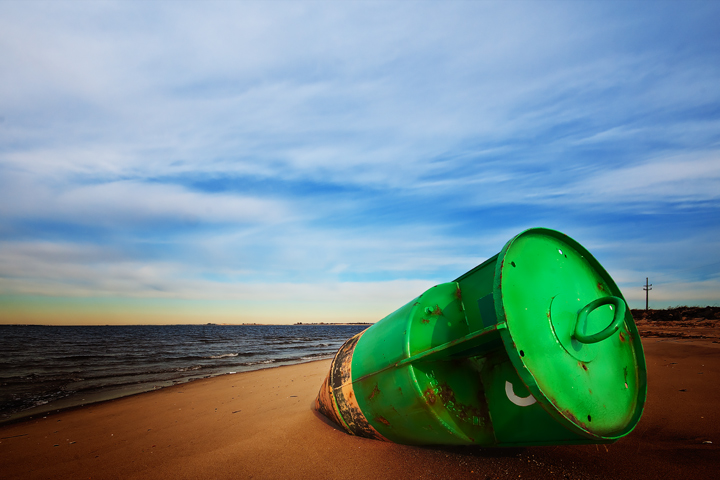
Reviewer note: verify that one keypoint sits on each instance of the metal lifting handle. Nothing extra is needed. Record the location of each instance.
(619, 304)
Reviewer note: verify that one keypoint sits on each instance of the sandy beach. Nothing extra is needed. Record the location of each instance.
(261, 425)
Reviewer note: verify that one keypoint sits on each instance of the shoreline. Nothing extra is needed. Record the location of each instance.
(71, 402)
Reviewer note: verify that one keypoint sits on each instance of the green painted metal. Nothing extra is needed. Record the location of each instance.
(534, 346)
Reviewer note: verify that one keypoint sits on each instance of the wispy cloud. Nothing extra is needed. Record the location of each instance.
(124, 203)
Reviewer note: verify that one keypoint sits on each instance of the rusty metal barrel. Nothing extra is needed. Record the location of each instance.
(535, 346)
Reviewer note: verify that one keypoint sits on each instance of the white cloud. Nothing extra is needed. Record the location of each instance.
(129, 202)
(148, 202)
(680, 178)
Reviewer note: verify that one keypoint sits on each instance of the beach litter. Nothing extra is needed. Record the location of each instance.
(487, 358)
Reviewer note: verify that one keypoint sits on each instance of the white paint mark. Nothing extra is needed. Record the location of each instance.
(519, 401)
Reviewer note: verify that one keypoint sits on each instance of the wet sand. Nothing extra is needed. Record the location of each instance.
(260, 425)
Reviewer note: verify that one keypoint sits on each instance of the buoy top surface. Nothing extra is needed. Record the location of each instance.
(570, 334)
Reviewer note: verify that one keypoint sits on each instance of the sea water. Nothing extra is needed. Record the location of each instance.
(47, 367)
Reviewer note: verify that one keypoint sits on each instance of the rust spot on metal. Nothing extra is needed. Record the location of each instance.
(446, 394)
(375, 391)
(470, 414)
(400, 390)
(569, 415)
(600, 286)
(583, 366)
(429, 394)
(425, 320)
(622, 337)
(436, 311)
(382, 420)
(458, 293)
(473, 414)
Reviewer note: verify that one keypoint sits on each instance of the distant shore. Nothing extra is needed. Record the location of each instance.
(679, 313)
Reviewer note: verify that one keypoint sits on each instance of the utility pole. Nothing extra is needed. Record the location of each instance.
(647, 288)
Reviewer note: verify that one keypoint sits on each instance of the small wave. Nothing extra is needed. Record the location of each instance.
(288, 359)
(188, 369)
(295, 347)
(317, 356)
(290, 341)
(81, 357)
(213, 357)
(224, 355)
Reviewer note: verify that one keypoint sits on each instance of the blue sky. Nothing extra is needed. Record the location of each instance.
(299, 161)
